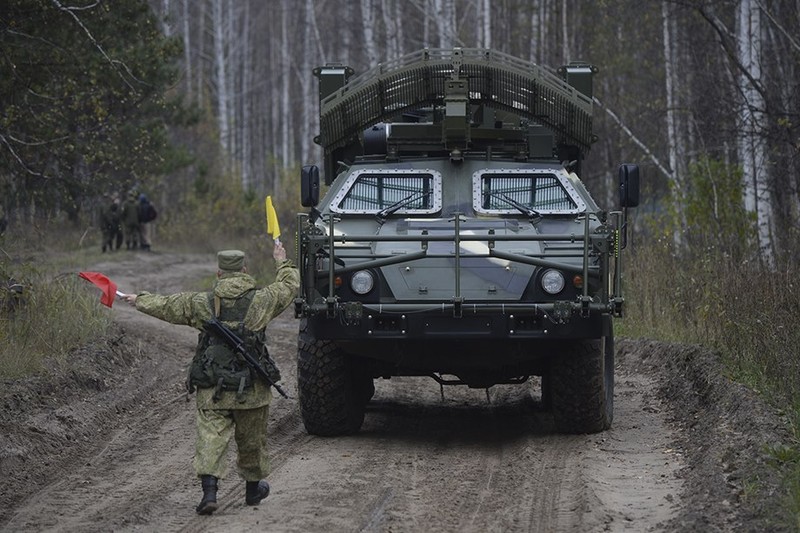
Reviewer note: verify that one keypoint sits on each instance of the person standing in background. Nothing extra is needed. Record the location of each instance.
(147, 214)
(109, 219)
(130, 221)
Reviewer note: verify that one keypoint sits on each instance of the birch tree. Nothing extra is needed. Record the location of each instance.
(220, 70)
(368, 26)
(565, 55)
(346, 36)
(677, 151)
(485, 23)
(286, 75)
(392, 13)
(187, 51)
(246, 105)
(752, 146)
(310, 50)
(540, 21)
(398, 27)
(445, 22)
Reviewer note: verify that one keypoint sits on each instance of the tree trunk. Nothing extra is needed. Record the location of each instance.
(485, 21)
(445, 20)
(286, 75)
(752, 144)
(368, 25)
(246, 105)
(306, 82)
(676, 149)
(187, 51)
(220, 70)
(565, 57)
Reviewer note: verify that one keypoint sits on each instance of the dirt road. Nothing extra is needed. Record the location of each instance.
(106, 445)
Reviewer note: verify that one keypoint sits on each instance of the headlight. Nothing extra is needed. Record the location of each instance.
(552, 281)
(362, 282)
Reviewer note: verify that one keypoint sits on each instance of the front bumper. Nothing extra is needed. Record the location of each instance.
(354, 321)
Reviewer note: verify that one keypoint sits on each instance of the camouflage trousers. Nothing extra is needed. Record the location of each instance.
(215, 427)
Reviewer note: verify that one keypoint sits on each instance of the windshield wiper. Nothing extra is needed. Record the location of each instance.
(411, 198)
(522, 208)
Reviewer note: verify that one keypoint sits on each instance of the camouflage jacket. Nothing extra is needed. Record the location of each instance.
(192, 309)
(109, 219)
(130, 213)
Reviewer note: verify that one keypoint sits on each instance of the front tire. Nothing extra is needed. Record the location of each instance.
(331, 402)
(582, 381)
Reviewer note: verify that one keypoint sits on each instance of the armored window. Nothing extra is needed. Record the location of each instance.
(411, 191)
(502, 191)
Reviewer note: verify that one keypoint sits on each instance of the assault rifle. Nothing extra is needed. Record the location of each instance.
(222, 331)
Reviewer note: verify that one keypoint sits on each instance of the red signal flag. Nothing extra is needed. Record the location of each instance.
(108, 287)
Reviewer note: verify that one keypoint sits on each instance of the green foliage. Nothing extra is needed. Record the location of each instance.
(83, 102)
(51, 318)
(215, 212)
(714, 211)
(786, 458)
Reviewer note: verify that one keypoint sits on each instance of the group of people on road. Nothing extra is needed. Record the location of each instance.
(128, 222)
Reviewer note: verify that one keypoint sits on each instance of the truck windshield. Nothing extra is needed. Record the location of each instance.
(374, 192)
(509, 192)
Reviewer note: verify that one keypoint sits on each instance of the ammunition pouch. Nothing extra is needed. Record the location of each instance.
(216, 365)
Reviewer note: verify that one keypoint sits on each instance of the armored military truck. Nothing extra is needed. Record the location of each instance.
(456, 239)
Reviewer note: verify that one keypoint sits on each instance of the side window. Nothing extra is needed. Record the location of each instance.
(369, 192)
(545, 192)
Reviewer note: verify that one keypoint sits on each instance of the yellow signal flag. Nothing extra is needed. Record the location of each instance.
(273, 228)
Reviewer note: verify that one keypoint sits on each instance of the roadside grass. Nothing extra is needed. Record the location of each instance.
(54, 313)
(742, 311)
(57, 312)
(786, 458)
(52, 317)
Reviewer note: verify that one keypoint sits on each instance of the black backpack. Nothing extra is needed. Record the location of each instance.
(147, 212)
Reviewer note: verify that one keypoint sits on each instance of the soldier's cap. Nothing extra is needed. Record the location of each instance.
(230, 260)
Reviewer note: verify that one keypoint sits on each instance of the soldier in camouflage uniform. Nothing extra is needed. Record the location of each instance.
(241, 412)
(130, 221)
(110, 223)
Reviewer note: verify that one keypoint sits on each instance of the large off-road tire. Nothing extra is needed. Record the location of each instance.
(331, 399)
(582, 386)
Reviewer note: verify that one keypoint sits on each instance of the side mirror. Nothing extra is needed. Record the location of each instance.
(309, 186)
(629, 185)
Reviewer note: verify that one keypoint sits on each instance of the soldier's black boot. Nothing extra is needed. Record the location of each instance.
(255, 492)
(209, 502)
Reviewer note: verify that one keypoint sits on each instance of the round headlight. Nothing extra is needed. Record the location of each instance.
(552, 281)
(362, 282)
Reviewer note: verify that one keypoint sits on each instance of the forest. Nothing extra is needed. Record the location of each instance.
(180, 95)
(208, 105)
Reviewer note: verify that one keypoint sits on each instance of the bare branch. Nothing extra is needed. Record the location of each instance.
(38, 143)
(777, 24)
(19, 159)
(81, 8)
(91, 38)
(720, 28)
(635, 139)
